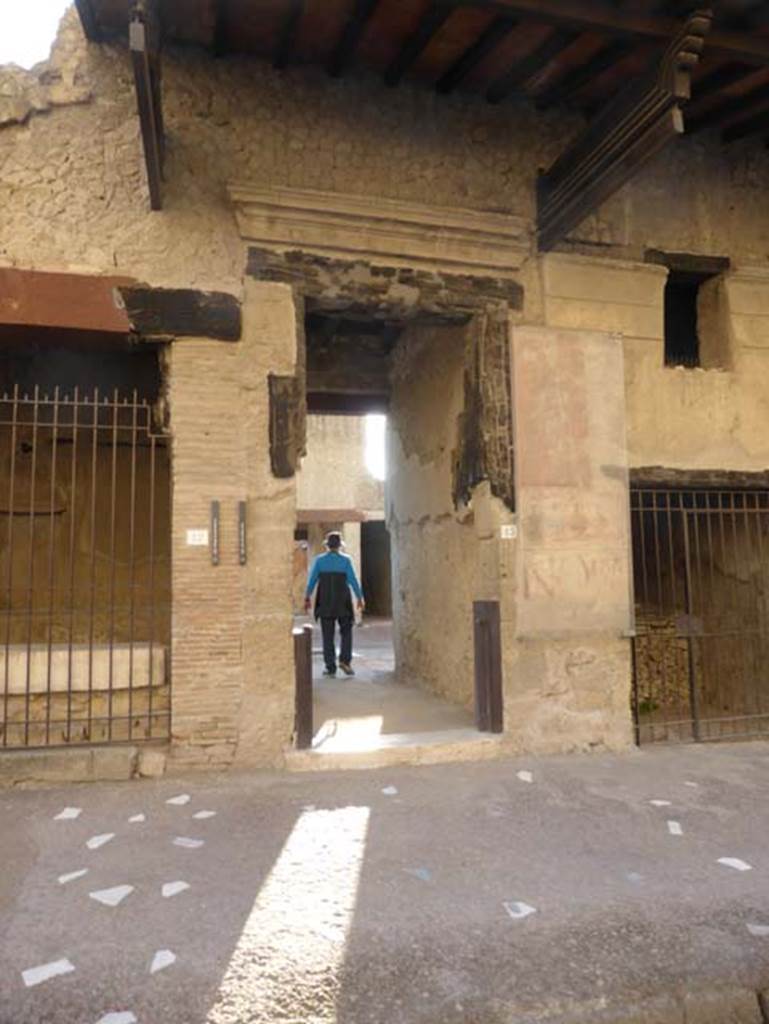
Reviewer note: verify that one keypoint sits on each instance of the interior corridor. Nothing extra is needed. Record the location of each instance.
(371, 708)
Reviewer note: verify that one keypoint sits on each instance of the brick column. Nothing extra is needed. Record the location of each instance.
(232, 671)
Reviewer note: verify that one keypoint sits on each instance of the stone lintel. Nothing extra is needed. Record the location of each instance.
(698, 479)
(386, 231)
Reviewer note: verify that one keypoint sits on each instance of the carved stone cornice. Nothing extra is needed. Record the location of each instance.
(385, 231)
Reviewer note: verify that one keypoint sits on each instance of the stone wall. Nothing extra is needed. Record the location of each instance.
(73, 196)
(676, 417)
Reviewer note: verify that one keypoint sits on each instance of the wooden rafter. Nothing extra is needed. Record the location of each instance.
(605, 17)
(522, 71)
(351, 35)
(486, 43)
(722, 78)
(582, 76)
(432, 20)
(758, 124)
(732, 108)
(288, 33)
(622, 138)
(144, 44)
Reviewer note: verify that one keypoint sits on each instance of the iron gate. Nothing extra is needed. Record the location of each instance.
(84, 570)
(701, 578)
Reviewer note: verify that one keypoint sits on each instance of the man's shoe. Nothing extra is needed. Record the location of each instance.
(347, 669)
(329, 671)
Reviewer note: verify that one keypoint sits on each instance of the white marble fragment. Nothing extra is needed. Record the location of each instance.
(173, 888)
(660, 803)
(72, 875)
(525, 776)
(119, 1017)
(759, 930)
(112, 897)
(178, 801)
(162, 959)
(390, 791)
(96, 841)
(674, 828)
(137, 817)
(517, 909)
(423, 874)
(36, 975)
(694, 785)
(68, 814)
(633, 876)
(201, 815)
(187, 843)
(736, 863)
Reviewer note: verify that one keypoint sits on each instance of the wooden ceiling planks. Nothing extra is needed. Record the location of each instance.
(573, 52)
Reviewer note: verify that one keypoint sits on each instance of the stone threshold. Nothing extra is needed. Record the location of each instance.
(409, 748)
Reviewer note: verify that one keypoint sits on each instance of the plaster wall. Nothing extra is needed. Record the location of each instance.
(676, 417)
(567, 662)
(333, 473)
(434, 548)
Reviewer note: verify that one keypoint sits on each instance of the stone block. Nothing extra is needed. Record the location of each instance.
(586, 280)
(750, 330)
(748, 293)
(724, 1006)
(27, 767)
(613, 317)
(151, 763)
(113, 763)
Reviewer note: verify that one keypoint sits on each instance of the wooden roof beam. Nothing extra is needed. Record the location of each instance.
(604, 17)
(521, 72)
(486, 43)
(432, 20)
(351, 35)
(287, 35)
(621, 139)
(144, 44)
(88, 20)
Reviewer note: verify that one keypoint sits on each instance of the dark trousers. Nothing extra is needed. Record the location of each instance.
(328, 628)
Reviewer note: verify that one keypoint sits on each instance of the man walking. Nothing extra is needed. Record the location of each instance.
(334, 574)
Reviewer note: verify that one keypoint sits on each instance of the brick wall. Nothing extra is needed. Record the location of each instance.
(232, 665)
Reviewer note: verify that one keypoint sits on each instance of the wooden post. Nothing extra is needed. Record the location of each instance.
(303, 725)
(488, 666)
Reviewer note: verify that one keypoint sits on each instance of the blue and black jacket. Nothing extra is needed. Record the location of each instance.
(334, 574)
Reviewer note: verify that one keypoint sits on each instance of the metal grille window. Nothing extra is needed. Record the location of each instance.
(701, 572)
(84, 569)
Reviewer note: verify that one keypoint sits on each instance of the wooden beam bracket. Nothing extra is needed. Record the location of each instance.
(623, 137)
(144, 44)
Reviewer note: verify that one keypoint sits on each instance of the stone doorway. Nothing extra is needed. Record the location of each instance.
(414, 667)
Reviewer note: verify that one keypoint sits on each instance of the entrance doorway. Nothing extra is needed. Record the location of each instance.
(359, 372)
(701, 571)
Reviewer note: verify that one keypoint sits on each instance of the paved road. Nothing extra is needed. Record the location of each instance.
(375, 897)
